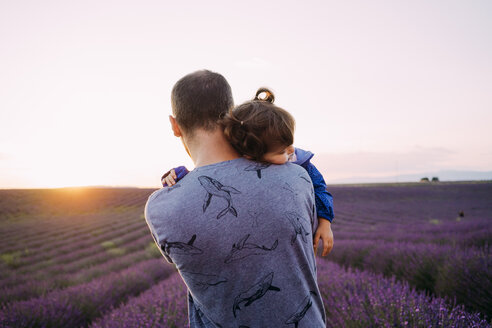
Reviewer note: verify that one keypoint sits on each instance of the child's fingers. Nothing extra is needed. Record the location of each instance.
(169, 181)
(327, 246)
(316, 242)
(173, 174)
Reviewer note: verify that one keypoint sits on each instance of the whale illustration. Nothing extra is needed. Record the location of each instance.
(303, 177)
(241, 249)
(288, 188)
(202, 280)
(301, 310)
(255, 292)
(215, 188)
(298, 227)
(181, 248)
(257, 167)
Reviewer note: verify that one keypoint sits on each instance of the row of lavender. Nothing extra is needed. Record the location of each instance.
(34, 243)
(47, 247)
(36, 258)
(37, 230)
(443, 270)
(352, 298)
(411, 203)
(436, 237)
(63, 263)
(94, 267)
(469, 232)
(78, 305)
(16, 205)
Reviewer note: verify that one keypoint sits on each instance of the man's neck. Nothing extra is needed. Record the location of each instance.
(207, 148)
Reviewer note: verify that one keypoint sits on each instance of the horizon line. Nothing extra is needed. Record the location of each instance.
(328, 184)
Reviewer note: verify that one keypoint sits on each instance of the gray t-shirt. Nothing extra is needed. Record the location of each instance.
(240, 233)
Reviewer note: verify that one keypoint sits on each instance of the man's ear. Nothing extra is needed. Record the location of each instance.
(175, 126)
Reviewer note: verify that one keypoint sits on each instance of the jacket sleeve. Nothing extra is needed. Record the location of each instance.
(324, 200)
(181, 171)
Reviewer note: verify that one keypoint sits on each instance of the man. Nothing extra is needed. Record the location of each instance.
(242, 244)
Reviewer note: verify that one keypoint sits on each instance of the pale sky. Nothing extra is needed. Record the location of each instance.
(377, 88)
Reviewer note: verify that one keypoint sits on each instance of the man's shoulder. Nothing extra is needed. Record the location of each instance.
(289, 173)
(294, 169)
(153, 195)
(220, 178)
(151, 202)
(160, 195)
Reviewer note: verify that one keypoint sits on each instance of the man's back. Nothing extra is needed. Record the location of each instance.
(240, 234)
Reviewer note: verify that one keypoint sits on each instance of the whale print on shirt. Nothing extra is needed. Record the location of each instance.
(241, 249)
(257, 167)
(181, 248)
(203, 281)
(289, 188)
(299, 229)
(305, 177)
(215, 188)
(301, 310)
(254, 293)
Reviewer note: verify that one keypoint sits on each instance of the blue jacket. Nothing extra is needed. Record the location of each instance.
(324, 200)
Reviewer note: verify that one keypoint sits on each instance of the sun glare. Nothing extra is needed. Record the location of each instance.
(67, 172)
(67, 179)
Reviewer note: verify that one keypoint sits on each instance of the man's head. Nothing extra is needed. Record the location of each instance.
(199, 99)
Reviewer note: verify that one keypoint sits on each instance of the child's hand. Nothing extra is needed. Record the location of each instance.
(169, 179)
(324, 232)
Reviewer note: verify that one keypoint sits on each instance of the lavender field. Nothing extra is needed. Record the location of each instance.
(403, 257)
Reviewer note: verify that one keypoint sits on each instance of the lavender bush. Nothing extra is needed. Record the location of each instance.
(37, 286)
(355, 298)
(441, 270)
(463, 233)
(78, 305)
(164, 305)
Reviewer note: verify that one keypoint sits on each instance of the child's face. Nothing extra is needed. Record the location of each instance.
(279, 156)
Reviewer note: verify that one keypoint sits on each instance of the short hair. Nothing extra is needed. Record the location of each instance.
(257, 127)
(200, 99)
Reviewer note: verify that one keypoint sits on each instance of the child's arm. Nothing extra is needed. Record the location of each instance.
(324, 200)
(324, 210)
(174, 175)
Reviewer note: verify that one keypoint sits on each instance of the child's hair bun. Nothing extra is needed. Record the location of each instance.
(266, 95)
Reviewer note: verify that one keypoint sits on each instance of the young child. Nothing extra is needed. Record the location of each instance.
(263, 132)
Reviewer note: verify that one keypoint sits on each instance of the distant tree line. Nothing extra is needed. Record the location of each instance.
(426, 179)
